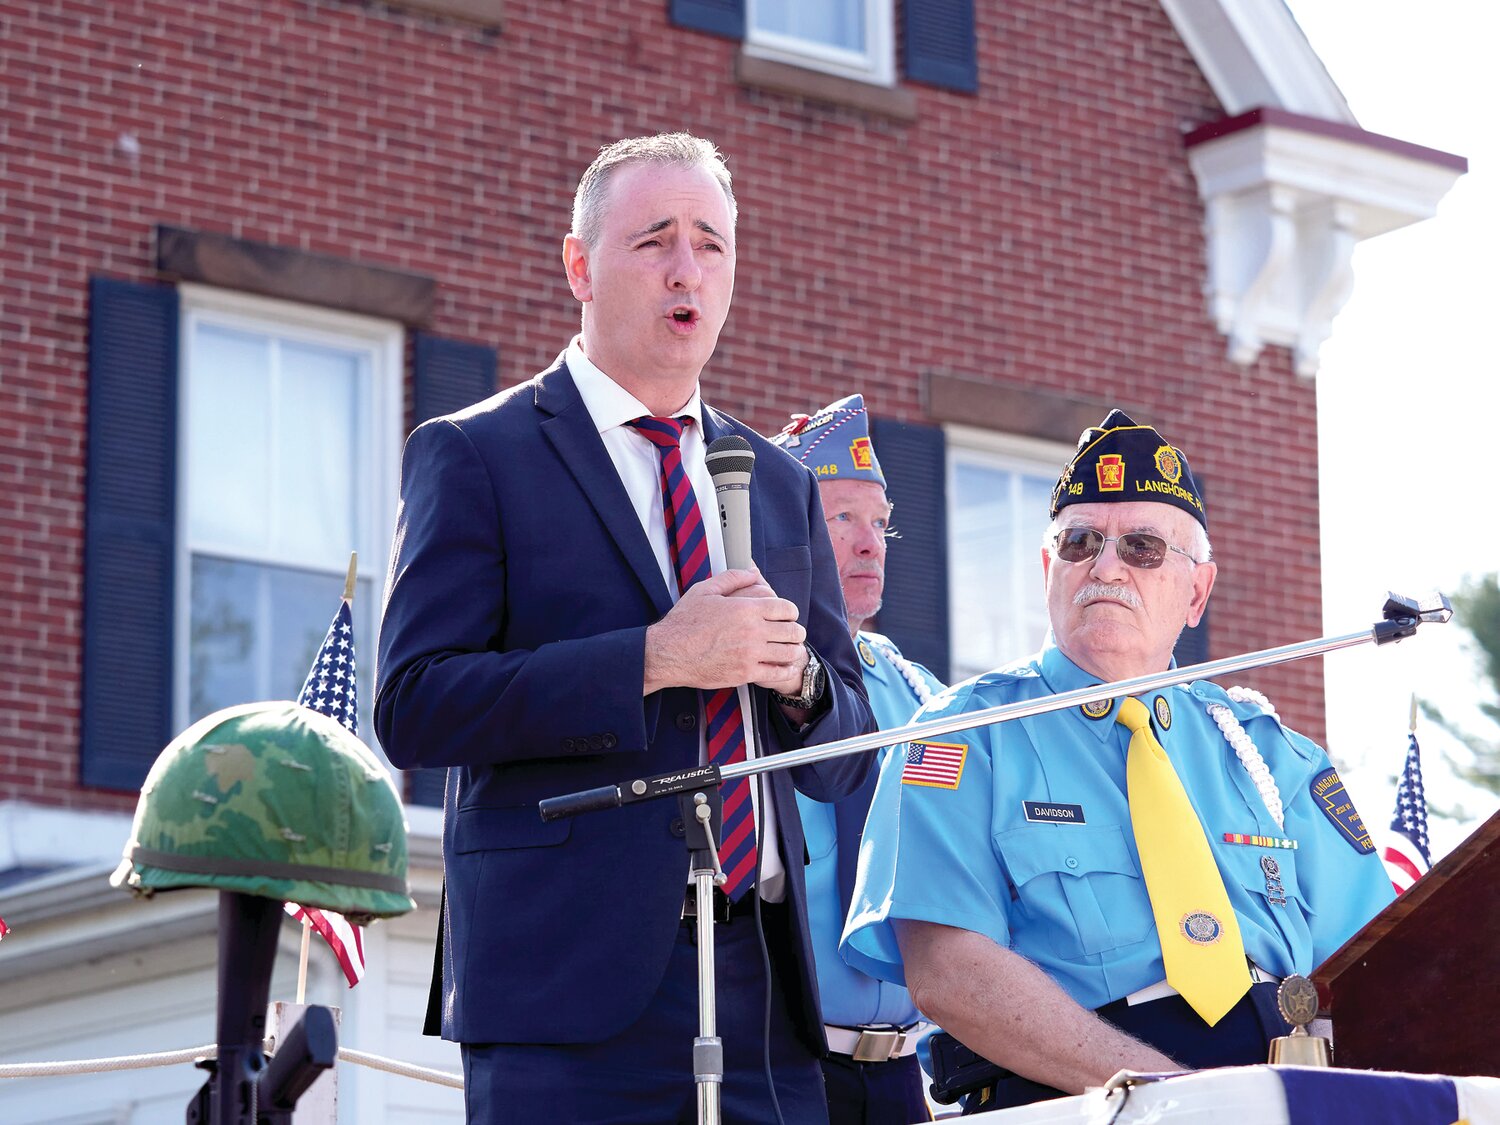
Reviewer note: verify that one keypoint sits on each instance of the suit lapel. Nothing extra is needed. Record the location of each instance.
(571, 430)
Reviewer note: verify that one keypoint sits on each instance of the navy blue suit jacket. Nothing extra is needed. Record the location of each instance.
(512, 651)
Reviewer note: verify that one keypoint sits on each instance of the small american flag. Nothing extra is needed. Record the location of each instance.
(4, 929)
(343, 937)
(331, 689)
(1407, 854)
(938, 764)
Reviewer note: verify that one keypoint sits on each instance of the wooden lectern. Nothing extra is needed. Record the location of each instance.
(1416, 990)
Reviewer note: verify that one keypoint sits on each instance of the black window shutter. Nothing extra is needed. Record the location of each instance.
(915, 610)
(718, 17)
(129, 532)
(447, 375)
(939, 38)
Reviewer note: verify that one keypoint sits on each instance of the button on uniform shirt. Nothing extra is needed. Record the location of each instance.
(1021, 831)
(852, 998)
(637, 461)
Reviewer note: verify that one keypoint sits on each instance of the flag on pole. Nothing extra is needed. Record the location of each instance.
(1407, 855)
(331, 689)
(343, 937)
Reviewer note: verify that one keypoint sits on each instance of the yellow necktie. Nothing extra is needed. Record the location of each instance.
(1200, 936)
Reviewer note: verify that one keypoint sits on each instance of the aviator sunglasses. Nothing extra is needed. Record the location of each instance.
(1139, 549)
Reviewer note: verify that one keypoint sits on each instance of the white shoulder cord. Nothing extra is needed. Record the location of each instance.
(908, 672)
(1245, 750)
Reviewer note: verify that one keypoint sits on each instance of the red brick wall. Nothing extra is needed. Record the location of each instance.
(1045, 233)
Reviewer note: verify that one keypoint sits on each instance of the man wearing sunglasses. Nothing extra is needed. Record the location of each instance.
(1119, 884)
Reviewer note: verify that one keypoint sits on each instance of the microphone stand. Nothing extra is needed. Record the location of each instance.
(700, 817)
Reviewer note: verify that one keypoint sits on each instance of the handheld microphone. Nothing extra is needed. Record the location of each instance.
(730, 463)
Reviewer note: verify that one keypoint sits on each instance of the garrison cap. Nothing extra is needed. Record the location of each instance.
(835, 442)
(1120, 460)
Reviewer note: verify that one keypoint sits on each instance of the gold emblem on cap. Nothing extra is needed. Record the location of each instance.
(1097, 708)
(1111, 470)
(1163, 711)
(859, 451)
(866, 653)
(1169, 464)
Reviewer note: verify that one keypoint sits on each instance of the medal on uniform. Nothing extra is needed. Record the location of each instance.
(1275, 892)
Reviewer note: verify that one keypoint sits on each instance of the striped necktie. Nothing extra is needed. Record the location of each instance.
(688, 546)
(1200, 936)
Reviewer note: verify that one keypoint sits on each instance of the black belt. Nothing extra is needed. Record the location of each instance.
(724, 910)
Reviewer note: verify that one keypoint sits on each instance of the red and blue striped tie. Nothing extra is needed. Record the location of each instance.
(688, 545)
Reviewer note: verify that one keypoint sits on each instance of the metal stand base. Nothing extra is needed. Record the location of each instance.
(700, 816)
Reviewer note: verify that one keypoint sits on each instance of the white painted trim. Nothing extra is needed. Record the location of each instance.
(876, 64)
(1023, 451)
(44, 836)
(1254, 54)
(1284, 209)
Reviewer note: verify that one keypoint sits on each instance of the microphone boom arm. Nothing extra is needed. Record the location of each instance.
(1400, 620)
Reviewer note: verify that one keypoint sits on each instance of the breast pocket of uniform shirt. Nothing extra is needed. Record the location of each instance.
(1270, 877)
(1079, 879)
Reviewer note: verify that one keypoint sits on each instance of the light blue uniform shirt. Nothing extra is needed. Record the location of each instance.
(850, 998)
(1033, 846)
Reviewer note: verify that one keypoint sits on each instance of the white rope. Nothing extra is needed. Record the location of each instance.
(209, 1051)
(1246, 752)
(908, 670)
(118, 1062)
(422, 1073)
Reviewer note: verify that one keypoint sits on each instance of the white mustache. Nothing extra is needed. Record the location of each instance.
(1094, 591)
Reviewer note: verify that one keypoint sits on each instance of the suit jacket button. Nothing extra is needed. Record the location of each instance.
(610, 742)
(596, 742)
(687, 721)
(677, 827)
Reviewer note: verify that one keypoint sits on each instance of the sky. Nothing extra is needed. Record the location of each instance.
(1407, 391)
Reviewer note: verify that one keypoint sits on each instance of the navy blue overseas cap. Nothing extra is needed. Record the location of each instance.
(1120, 460)
(835, 442)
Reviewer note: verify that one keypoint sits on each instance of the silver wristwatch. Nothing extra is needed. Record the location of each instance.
(813, 682)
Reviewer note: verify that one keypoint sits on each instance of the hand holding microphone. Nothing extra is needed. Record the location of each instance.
(732, 628)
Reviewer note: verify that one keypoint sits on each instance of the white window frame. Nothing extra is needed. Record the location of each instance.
(1007, 452)
(876, 64)
(384, 342)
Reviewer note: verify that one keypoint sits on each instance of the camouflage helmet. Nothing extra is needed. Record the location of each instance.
(275, 800)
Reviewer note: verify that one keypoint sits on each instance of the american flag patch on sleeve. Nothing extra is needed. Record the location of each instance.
(938, 764)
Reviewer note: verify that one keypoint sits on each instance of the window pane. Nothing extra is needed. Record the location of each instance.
(228, 438)
(317, 467)
(832, 23)
(256, 630)
(998, 510)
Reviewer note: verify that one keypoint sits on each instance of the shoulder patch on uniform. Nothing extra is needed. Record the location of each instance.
(866, 653)
(939, 765)
(1329, 794)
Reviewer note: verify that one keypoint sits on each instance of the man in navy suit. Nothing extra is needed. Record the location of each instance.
(535, 643)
